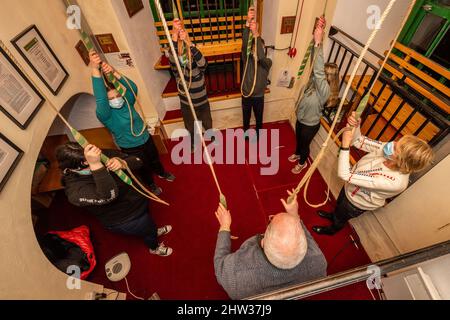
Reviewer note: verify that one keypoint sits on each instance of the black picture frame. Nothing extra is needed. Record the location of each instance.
(14, 164)
(20, 36)
(133, 6)
(24, 125)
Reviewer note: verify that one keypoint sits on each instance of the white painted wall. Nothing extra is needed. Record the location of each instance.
(81, 115)
(25, 273)
(352, 17)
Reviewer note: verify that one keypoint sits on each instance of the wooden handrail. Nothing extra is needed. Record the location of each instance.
(423, 60)
(422, 75)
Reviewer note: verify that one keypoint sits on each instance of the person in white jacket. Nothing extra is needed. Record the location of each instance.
(381, 174)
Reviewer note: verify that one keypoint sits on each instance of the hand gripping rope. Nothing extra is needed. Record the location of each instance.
(186, 54)
(255, 58)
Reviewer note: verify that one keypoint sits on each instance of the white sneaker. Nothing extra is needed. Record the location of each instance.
(294, 158)
(299, 168)
(164, 230)
(162, 250)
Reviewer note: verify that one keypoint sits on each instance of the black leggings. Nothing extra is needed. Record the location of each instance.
(344, 211)
(149, 155)
(305, 134)
(257, 104)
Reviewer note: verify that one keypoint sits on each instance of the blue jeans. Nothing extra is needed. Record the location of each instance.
(142, 226)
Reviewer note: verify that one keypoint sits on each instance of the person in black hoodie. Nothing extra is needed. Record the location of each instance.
(90, 184)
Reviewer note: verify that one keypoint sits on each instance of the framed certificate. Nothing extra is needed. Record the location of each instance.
(10, 156)
(19, 99)
(41, 58)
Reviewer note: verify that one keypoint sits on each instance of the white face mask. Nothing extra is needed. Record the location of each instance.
(116, 103)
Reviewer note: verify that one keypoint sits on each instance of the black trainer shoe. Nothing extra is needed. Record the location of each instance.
(329, 231)
(168, 176)
(155, 189)
(325, 215)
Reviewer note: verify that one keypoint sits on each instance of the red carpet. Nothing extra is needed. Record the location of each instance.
(189, 272)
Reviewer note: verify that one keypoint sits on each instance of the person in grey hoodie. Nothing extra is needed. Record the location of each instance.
(286, 254)
(322, 90)
(253, 99)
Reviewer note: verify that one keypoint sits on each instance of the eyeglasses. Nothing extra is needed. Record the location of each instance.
(270, 219)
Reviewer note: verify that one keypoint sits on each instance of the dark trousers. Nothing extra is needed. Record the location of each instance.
(305, 134)
(344, 211)
(257, 104)
(149, 155)
(143, 226)
(203, 114)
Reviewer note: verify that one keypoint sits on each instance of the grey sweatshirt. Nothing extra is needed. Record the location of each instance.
(264, 65)
(309, 110)
(248, 272)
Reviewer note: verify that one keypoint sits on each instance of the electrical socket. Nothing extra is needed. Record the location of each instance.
(90, 295)
(94, 296)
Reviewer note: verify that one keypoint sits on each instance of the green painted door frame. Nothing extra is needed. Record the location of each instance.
(416, 18)
(242, 10)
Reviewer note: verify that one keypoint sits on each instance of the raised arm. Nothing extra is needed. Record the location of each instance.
(372, 180)
(134, 163)
(246, 32)
(320, 78)
(103, 109)
(265, 62)
(101, 191)
(362, 142)
(223, 260)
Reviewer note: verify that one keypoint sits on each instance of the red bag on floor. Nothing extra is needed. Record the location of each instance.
(81, 237)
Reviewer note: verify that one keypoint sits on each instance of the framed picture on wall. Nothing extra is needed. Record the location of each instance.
(41, 58)
(83, 52)
(10, 156)
(19, 99)
(133, 6)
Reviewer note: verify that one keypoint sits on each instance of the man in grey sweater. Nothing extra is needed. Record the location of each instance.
(285, 255)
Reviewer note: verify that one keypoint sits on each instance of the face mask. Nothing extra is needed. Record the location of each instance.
(84, 172)
(388, 150)
(116, 103)
(81, 172)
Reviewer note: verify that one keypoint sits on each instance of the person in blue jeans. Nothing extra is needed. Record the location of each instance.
(119, 115)
(121, 209)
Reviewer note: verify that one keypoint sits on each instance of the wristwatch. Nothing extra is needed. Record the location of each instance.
(344, 149)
